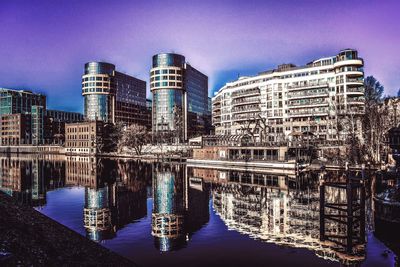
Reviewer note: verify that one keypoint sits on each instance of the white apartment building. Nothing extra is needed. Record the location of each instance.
(323, 97)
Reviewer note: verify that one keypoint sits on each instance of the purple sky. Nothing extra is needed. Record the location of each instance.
(44, 44)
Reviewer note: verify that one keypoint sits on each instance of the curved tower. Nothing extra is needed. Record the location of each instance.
(166, 84)
(98, 91)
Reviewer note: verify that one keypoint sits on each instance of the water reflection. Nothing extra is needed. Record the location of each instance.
(180, 207)
(115, 193)
(272, 208)
(285, 210)
(27, 179)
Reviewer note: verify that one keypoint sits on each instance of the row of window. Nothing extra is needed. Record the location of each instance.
(97, 78)
(162, 84)
(95, 84)
(165, 71)
(97, 90)
(166, 77)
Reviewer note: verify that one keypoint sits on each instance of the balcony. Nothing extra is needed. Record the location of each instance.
(355, 80)
(307, 85)
(244, 93)
(302, 113)
(358, 90)
(217, 101)
(215, 108)
(215, 120)
(308, 102)
(243, 109)
(245, 101)
(356, 100)
(308, 94)
(248, 116)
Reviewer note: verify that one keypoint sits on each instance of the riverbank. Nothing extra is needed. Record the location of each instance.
(28, 238)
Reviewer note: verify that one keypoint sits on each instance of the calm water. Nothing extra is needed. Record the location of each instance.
(180, 215)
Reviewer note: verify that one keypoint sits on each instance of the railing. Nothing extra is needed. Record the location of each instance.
(355, 90)
(243, 93)
(245, 116)
(246, 101)
(354, 80)
(243, 109)
(308, 103)
(308, 94)
(307, 85)
(356, 100)
(311, 112)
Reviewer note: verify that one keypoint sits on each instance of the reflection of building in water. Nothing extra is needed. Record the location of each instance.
(97, 213)
(115, 193)
(27, 179)
(180, 206)
(277, 209)
(168, 207)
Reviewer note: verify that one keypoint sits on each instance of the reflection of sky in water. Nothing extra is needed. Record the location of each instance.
(164, 192)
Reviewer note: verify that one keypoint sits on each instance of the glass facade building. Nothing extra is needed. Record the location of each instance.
(30, 108)
(180, 97)
(112, 96)
(19, 101)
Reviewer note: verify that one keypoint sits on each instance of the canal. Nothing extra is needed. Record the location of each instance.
(176, 214)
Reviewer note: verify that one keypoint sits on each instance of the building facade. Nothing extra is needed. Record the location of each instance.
(19, 101)
(83, 137)
(180, 97)
(64, 116)
(289, 100)
(15, 129)
(54, 124)
(112, 96)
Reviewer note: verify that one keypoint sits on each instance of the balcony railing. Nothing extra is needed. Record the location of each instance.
(354, 80)
(308, 112)
(307, 103)
(249, 116)
(299, 86)
(355, 90)
(244, 93)
(245, 109)
(241, 101)
(306, 93)
(356, 100)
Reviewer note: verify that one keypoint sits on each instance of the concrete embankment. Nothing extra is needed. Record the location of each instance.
(28, 238)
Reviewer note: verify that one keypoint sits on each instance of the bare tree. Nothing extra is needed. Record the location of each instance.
(178, 123)
(262, 124)
(135, 136)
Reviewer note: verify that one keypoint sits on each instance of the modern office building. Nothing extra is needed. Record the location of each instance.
(180, 97)
(22, 106)
(291, 100)
(64, 116)
(37, 125)
(19, 101)
(54, 124)
(112, 96)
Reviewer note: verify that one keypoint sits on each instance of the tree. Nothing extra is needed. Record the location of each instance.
(178, 123)
(135, 136)
(373, 91)
(374, 118)
(112, 136)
